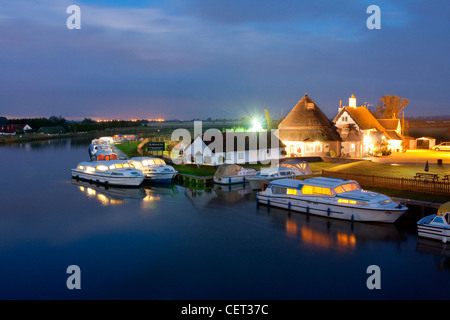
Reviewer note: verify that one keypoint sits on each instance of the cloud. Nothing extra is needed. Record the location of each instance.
(215, 58)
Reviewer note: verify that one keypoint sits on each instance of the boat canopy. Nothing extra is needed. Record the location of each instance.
(303, 166)
(443, 209)
(227, 170)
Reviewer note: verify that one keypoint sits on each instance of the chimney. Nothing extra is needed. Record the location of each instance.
(352, 101)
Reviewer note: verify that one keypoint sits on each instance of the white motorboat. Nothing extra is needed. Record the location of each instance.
(98, 145)
(436, 226)
(284, 170)
(331, 197)
(232, 173)
(154, 169)
(114, 172)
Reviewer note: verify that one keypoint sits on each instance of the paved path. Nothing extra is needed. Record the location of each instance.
(120, 154)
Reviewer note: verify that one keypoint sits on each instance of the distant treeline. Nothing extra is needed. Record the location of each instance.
(91, 125)
(85, 125)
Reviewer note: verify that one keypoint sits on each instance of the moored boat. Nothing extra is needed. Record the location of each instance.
(114, 172)
(331, 197)
(232, 173)
(436, 226)
(154, 169)
(284, 170)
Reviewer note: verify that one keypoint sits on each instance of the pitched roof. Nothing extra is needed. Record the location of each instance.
(389, 124)
(306, 122)
(363, 117)
(12, 128)
(305, 114)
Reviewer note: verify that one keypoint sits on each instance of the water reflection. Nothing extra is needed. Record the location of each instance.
(321, 233)
(441, 252)
(107, 195)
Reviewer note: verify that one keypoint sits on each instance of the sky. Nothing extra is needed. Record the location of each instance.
(194, 59)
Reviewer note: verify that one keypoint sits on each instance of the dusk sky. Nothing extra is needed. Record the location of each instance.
(185, 59)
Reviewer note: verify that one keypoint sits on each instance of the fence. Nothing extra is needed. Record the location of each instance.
(419, 185)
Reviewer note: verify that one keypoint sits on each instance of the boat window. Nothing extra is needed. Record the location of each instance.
(292, 191)
(314, 190)
(339, 189)
(278, 190)
(447, 217)
(387, 201)
(438, 220)
(118, 166)
(350, 186)
(102, 168)
(90, 169)
(81, 167)
(347, 201)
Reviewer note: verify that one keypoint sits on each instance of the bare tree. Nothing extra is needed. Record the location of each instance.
(390, 107)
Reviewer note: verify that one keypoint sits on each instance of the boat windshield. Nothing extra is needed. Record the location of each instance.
(121, 165)
(346, 187)
(153, 162)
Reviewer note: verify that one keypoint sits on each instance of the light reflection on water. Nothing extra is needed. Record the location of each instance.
(177, 242)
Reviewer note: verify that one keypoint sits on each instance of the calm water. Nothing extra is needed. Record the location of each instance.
(180, 243)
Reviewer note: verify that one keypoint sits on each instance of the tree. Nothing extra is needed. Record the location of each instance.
(3, 120)
(390, 107)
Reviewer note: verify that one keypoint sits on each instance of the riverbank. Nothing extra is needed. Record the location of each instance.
(368, 167)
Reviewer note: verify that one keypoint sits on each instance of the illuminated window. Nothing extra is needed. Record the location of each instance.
(292, 191)
(350, 186)
(119, 166)
(81, 167)
(313, 190)
(347, 201)
(102, 168)
(90, 169)
(339, 189)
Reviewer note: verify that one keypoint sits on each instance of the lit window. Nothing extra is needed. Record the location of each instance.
(339, 189)
(90, 169)
(81, 167)
(350, 186)
(292, 191)
(313, 190)
(102, 168)
(347, 201)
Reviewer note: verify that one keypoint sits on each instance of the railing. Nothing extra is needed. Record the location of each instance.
(419, 185)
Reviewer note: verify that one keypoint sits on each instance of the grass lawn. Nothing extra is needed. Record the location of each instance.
(388, 170)
(129, 148)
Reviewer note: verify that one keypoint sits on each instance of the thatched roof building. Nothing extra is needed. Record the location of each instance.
(306, 122)
(307, 131)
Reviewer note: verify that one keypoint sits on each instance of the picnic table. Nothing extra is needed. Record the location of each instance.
(426, 176)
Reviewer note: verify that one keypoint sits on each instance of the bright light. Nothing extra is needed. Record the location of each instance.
(256, 125)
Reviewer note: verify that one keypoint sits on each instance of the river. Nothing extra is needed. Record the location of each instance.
(177, 243)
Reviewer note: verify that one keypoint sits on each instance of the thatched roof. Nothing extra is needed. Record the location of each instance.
(306, 122)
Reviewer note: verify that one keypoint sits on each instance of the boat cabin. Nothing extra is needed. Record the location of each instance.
(316, 187)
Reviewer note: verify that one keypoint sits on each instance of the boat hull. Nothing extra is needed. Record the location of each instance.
(230, 180)
(427, 230)
(331, 210)
(160, 177)
(108, 179)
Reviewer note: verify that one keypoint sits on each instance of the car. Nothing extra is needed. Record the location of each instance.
(444, 146)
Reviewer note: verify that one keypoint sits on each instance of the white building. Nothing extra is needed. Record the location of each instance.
(234, 148)
(361, 132)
